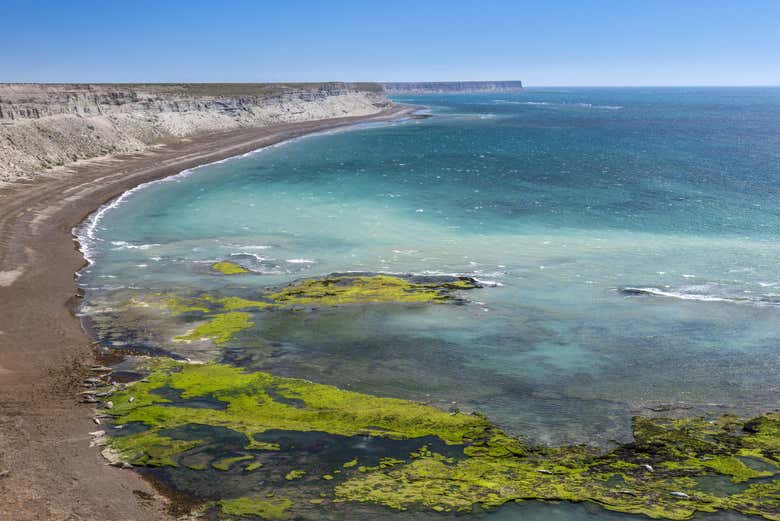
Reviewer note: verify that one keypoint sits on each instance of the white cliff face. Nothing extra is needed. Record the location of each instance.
(43, 126)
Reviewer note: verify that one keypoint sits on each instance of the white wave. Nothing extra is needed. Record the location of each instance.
(601, 107)
(486, 115)
(301, 261)
(255, 247)
(489, 283)
(676, 294)
(473, 275)
(85, 233)
(437, 273)
(549, 104)
(766, 300)
(273, 271)
(123, 245)
(510, 102)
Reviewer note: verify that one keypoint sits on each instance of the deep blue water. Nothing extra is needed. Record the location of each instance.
(557, 198)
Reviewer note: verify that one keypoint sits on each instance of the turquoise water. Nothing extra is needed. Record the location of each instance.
(559, 201)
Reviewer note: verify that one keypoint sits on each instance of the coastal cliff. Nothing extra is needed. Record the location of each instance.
(445, 87)
(43, 126)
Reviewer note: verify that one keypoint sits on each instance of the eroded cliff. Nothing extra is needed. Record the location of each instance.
(48, 125)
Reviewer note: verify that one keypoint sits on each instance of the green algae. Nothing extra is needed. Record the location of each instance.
(150, 449)
(734, 467)
(220, 328)
(294, 474)
(228, 268)
(356, 289)
(655, 475)
(651, 476)
(236, 303)
(253, 406)
(765, 435)
(180, 306)
(264, 508)
(332, 290)
(225, 463)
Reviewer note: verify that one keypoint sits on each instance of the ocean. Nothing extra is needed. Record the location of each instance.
(626, 242)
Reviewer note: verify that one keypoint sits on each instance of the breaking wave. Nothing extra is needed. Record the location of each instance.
(772, 300)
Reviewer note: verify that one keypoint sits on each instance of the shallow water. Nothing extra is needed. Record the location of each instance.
(557, 200)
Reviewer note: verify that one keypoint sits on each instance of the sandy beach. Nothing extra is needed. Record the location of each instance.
(48, 471)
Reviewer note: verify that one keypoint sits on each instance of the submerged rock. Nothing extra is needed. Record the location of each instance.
(227, 316)
(342, 289)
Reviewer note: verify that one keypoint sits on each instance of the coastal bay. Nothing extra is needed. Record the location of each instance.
(52, 473)
(287, 279)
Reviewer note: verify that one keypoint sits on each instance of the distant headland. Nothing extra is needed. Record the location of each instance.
(443, 87)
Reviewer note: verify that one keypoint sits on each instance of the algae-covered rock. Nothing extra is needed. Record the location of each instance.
(225, 463)
(294, 474)
(271, 509)
(253, 466)
(220, 328)
(259, 402)
(334, 290)
(340, 289)
(661, 474)
(656, 475)
(228, 268)
(150, 449)
(224, 317)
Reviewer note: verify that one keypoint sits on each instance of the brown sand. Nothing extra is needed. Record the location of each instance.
(47, 469)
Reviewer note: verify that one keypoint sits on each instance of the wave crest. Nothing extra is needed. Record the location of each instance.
(758, 300)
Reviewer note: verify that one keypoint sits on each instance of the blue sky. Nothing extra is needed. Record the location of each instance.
(542, 42)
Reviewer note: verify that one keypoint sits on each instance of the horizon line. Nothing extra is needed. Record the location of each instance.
(525, 85)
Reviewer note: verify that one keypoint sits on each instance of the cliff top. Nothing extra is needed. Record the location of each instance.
(17, 91)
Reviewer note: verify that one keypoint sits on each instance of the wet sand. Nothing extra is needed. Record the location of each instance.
(48, 471)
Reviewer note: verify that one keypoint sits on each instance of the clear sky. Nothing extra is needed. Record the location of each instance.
(542, 42)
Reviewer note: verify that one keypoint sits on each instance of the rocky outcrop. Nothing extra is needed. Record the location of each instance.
(48, 125)
(444, 87)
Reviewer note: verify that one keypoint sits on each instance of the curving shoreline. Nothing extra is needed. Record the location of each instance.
(47, 468)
